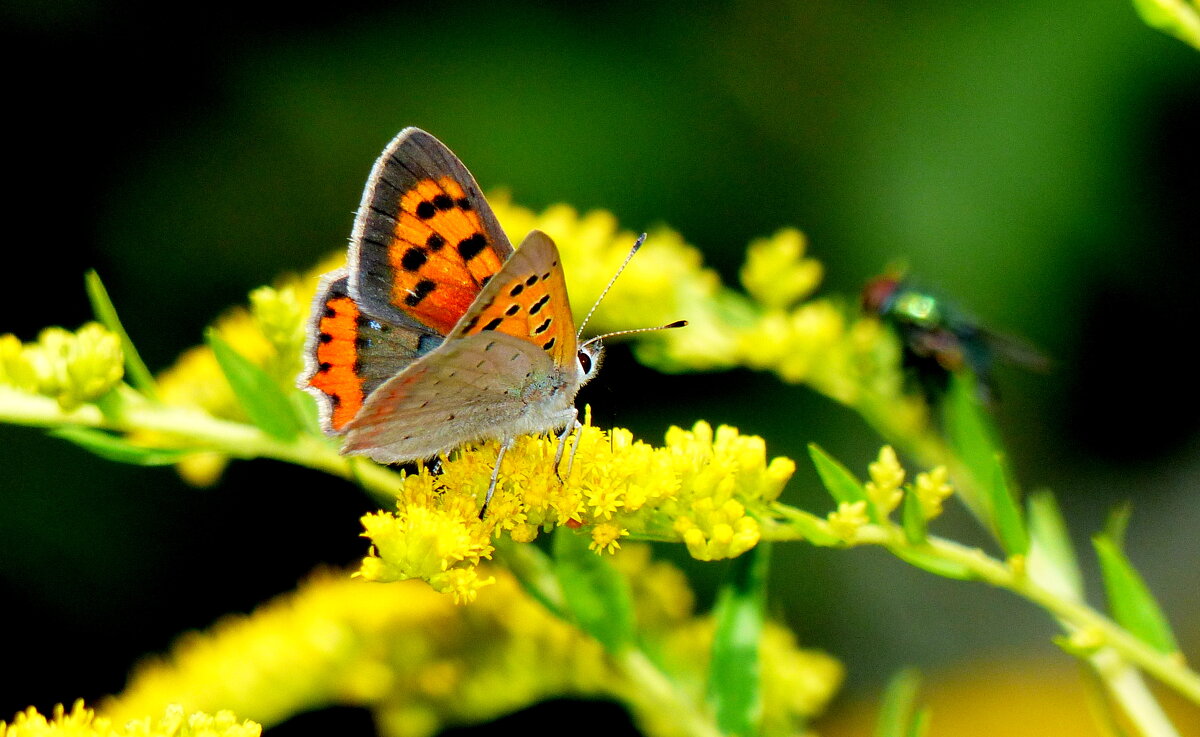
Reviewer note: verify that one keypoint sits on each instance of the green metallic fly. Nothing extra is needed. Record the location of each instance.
(938, 339)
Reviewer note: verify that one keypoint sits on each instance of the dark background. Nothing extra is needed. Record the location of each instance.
(1038, 161)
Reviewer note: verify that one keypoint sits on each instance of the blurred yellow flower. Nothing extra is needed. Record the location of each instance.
(83, 722)
(932, 488)
(849, 518)
(71, 367)
(887, 476)
(423, 664)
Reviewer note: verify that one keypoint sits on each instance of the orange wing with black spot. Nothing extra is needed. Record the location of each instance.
(527, 299)
(425, 241)
(349, 353)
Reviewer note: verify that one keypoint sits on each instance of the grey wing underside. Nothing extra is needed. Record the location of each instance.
(467, 390)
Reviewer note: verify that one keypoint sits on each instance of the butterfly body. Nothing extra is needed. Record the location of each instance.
(438, 333)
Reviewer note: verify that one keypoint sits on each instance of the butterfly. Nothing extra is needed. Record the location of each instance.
(438, 333)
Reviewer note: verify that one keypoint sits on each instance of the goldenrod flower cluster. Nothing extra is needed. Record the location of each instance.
(703, 488)
(83, 722)
(72, 368)
(885, 491)
(423, 664)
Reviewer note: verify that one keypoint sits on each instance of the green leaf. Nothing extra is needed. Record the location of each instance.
(841, 484)
(268, 407)
(1051, 562)
(596, 594)
(1006, 510)
(1118, 522)
(1129, 599)
(733, 678)
(106, 313)
(812, 528)
(913, 518)
(1174, 17)
(116, 448)
(973, 440)
(933, 564)
(899, 715)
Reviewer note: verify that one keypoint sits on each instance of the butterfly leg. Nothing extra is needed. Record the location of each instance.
(570, 426)
(495, 475)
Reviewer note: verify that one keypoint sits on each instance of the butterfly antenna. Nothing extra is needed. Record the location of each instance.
(641, 239)
(668, 326)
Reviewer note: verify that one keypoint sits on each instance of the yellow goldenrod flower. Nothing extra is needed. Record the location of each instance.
(887, 476)
(15, 369)
(423, 664)
(83, 722)
(776, 272)
(848, 519)
(932, 488)
(73, 368)
(434, 536)
(606, 538)
(703, 488)
(281, 316)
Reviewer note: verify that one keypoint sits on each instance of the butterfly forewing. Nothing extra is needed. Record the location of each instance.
(528, 300)
(425, 240)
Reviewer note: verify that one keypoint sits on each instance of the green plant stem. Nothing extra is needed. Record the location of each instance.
(652, 691)
(644, 686)
(1166, 668)
(193, 428)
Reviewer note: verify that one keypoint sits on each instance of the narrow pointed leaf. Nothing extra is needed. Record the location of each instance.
(135, 369)
(1117, 523)
(898, 714)
(1009, 523)
(933, 564)
(268, 407)
(597, 595)
(839, 482)
(1051, 561)
(973, 440)
(733, 679)
(1129, 599)
(118, 449)
(813, 528)
(913, 518)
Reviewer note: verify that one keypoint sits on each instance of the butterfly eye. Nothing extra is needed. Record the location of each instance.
(585, 362)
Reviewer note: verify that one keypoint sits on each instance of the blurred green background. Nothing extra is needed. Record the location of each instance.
(1039, 162)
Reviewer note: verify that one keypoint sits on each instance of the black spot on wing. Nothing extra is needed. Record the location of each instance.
(419, 292)
(414, 258)
(471, 246)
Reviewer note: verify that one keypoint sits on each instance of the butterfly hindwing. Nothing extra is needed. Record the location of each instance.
(425, 241)
(528, 300)
(473, 388)
(349, 353)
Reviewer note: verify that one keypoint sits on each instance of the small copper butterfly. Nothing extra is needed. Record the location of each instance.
(437, 333)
